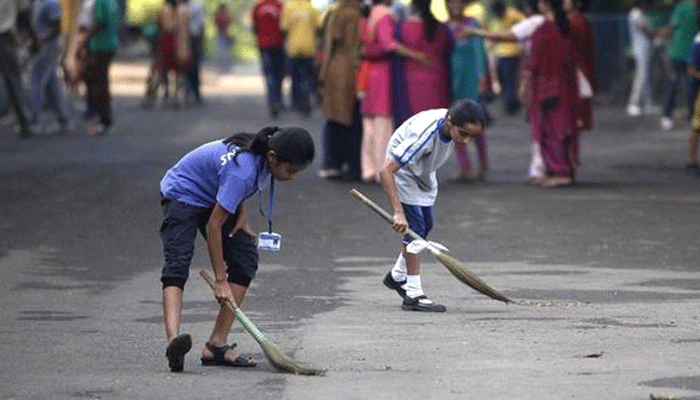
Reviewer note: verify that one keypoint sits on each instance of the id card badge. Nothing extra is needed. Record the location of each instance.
(269, 241)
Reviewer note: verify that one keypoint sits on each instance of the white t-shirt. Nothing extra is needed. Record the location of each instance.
(638, 22)
(524, 30)
(420, 147)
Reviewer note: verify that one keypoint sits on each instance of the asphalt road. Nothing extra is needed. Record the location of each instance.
(615, 258)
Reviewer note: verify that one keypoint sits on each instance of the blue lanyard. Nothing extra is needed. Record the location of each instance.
(270, 204)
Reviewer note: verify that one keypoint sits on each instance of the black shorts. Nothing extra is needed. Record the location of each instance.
(178, 233)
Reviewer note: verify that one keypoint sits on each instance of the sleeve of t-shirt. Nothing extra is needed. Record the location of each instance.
(677, 14)
(416, 135)
(235, 182)
(524, 29)
(694, 55)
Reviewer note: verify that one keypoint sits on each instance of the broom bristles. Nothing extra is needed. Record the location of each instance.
(274, 355)
(460, 271)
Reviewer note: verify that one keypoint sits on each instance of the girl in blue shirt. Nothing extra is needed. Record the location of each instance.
(206, 191)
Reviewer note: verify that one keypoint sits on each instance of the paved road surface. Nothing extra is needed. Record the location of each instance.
(617, 255)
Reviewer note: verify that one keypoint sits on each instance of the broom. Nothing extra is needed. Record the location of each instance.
(279, 360)
(457, 268)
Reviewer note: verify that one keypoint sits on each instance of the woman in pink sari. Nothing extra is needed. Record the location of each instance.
(377, 125)
(427, 86)
(550, 73)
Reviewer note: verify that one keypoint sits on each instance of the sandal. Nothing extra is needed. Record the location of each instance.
(176, 351)
(219, 359)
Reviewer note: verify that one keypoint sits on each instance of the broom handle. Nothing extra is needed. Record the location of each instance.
(387, 217)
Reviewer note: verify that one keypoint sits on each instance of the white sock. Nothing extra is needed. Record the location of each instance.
(413, 286)
(399, 270)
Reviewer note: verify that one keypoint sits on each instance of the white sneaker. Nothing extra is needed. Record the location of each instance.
(633, 110)
(666, 123)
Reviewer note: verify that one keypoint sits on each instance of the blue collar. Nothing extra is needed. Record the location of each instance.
(445, 139)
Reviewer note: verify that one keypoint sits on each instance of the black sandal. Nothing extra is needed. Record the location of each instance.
(176, 351)
(219, 360)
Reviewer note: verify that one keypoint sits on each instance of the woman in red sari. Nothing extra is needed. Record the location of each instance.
(550, 75)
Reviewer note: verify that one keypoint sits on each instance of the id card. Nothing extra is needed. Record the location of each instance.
(269, 241)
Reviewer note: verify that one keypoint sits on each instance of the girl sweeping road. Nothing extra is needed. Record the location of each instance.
(416, 150)
(206, 190)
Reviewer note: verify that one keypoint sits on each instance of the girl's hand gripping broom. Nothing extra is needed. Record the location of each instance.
(279, 360)
(456, 267)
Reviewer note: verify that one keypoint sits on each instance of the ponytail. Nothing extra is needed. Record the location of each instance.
(291, 145)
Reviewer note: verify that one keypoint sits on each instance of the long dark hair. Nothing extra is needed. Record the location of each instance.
(559, 16)
(291, 145)
(430, 23)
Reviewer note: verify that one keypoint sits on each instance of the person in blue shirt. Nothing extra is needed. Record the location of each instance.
(206, 190)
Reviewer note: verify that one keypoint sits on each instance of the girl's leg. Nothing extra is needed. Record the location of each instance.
(172, 310)
(384, 128)
(366, 156)
(224, 320)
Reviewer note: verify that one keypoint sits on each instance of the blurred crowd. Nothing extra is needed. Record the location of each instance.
(379, 64)
(368, 67)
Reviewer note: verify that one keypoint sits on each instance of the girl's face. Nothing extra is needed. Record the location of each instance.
(282, 171)
(463, 134)
(543, 6)
(454, 8)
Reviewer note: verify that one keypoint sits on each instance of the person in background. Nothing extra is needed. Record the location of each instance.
(183, 50)
(266, 25)
(507, 55)
(469, 80)
(681, 31)
(103, 40)
(46, 24)
(522, 32)
(694, 85)
(341, 135)
(379, 46)
(550, 83)
(642, 34)
(13, 11)
(299, 22)
(582, 40)
(196, 31)
(423, 33)
(223, 20)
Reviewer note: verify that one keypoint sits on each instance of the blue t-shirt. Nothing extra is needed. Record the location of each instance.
(694, 60)
(215, 173)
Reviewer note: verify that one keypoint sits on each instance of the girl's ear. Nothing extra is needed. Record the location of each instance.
(271, 156)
